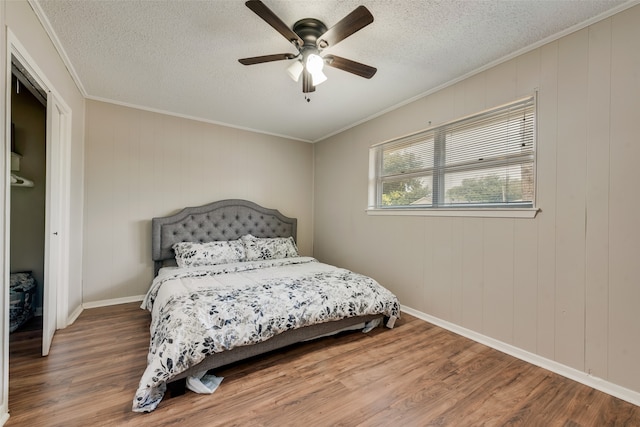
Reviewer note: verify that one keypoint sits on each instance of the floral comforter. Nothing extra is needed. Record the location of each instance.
(201, 311)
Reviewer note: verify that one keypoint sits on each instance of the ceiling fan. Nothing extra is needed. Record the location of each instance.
(310, 37)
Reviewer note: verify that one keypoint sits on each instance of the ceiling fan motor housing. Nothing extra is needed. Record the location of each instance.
(309, 30)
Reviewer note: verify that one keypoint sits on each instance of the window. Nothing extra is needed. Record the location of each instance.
(486, 160)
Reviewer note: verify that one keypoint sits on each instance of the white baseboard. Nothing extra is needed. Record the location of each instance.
(605, 386)
(72, 318)
(103, 303)
(4, 415)
(115, 301)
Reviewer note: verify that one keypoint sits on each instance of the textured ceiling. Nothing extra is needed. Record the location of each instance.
(181, 57)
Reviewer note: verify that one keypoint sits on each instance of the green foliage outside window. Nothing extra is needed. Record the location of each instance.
(486, 189)
(403, 192)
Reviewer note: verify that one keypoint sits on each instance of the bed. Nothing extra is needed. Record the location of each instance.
(229, 285)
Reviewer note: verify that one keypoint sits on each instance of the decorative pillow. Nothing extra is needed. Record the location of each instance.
(269, 247)
(190, 254)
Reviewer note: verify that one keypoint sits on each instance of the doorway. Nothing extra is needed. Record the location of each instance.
(28, 196)
(57, 205)
(56, 185)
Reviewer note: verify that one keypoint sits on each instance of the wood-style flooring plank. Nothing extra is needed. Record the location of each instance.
(416, 374)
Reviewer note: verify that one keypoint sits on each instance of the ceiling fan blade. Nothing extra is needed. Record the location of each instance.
(307, 83)
(272, 19)
(266, 58)
(355, 21)
(350, 66)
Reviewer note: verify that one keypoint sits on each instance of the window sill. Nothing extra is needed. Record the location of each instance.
(460, 212)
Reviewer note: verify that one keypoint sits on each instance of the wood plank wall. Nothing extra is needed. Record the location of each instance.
(563, 286)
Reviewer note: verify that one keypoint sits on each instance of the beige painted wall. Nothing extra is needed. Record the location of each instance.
(564, 285)
(141, 164)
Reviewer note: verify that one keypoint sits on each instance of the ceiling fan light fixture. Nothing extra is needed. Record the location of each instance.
(295, 70)
(315, 64)
(318, 77)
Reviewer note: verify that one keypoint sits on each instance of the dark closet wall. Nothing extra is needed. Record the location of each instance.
(29, 118)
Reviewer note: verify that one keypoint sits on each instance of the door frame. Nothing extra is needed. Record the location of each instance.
(57, 204)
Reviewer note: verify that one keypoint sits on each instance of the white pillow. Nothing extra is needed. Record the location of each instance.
(257, 248)
(190, 254)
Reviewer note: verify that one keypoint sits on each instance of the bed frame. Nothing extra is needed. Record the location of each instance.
(229, 220)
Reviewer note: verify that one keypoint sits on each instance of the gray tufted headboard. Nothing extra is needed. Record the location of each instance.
(223, 220)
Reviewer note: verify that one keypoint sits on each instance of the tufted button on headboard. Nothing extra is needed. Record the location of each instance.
(223, 220)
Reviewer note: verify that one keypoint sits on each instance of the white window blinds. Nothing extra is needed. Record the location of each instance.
(484, 160)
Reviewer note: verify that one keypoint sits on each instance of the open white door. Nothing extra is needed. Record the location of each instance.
(52, 243)
(57, 207)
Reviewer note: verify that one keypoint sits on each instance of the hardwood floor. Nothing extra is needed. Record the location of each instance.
(416, 374)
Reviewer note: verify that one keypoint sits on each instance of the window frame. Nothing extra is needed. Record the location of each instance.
(438, 171)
